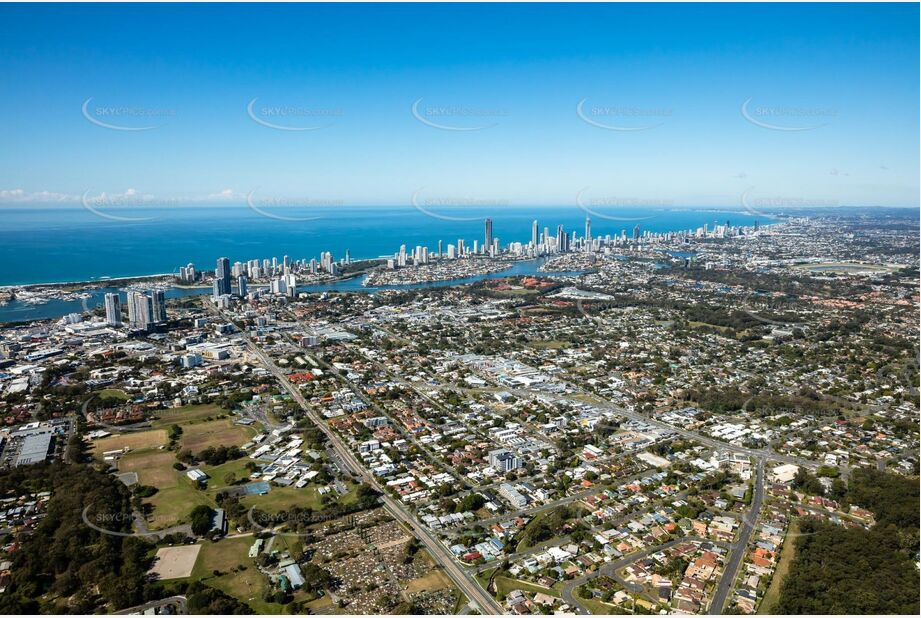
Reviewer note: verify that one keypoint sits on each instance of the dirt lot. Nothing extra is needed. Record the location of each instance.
(175, 562)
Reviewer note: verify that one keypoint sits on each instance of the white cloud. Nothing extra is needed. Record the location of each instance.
(130, 196)
(21, 196)
(226, 194)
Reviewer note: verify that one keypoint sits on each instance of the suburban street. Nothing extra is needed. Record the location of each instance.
(737, 549)
(180, 602)
(610, 568)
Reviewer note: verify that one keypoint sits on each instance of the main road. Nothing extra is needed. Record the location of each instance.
(463, 580)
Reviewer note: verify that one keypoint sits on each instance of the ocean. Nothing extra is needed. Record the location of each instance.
(41, 244)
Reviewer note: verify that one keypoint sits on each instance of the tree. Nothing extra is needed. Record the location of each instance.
(316, 578)
(839, 570)
(201, 518)
(471, 502)
(204, 599)
(62, 557)
(76, 449)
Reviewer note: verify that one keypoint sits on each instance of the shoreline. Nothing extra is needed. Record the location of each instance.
(76, 286)
(85, 283)
(118, 281)
(127, 279)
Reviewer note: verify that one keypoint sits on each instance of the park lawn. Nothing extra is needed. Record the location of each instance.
(177, 494)
(173, 505)
(114, 393)
(237, 467)
(154, 467)
(284, 498)
(483, 578)
(461, 603)
(787, 553)
(518, 293)
(221, 432)
(323, 606)
(435, 579)
(600, 608)
(522, 545)
(222, 555)
(187, 414)
(504, 585)
(134, 440)
(693, 324)
(246, 586)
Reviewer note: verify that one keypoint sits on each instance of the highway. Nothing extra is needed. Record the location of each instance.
(463, 580)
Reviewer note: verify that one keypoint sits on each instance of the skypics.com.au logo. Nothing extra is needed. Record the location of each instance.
(128, 118)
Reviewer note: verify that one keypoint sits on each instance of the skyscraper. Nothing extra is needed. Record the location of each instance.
(222, 277)
(157, 306)
(588, 231)
(139, 310)
(487, 241)
(113, 310)
(562, 244)
(636, 232)
(534, 233)
(291, 283)
(241, 285)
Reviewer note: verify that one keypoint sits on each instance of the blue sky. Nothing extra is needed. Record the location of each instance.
(832, 113)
